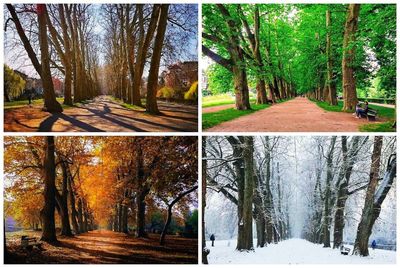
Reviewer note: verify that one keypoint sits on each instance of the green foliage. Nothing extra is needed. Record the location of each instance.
(213, 119)
(293, 40)
(14, 85)
(191, 94)
(191, 224)
(156, 222)
(220, 80)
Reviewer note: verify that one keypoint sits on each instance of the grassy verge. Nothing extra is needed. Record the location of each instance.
(21, 103)
(213, 119)
(383, 112)
(36, 102)
(130, 106)
(218, 100)
(378, 127)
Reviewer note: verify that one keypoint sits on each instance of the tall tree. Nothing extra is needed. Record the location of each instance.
(43, 68)
(332, 98)
(349, 49)
(47, 212)
(235, 63)
(152, 84)
(376, 194)
(245, 232)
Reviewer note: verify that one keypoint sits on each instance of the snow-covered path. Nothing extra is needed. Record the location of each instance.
(292, 251)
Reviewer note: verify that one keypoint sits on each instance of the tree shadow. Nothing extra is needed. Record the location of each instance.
(47, 124)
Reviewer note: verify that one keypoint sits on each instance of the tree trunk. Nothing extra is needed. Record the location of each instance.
(144, 44)
(152, 82)
(349, 49)
(141, 213)
(330, 83)
(74, 213)
(47, 212)
(204, 250)
(80, 216)
(374, 197)
(62, 200)
(245, 241)
(169, 212)
(329, 178)
(50, 102)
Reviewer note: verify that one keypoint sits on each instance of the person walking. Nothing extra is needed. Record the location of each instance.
(373, 245)
(212, 238)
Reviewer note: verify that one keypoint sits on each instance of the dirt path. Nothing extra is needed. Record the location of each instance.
(297, 115)
(103, 114)
(103, 246)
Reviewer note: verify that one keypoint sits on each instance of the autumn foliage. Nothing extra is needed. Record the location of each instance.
(113, 183)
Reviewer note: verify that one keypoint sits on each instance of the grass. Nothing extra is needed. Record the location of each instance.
(130, 106)
(23, 103)
(218, 100)
(383, 112)
(213, 119)
(378, 127)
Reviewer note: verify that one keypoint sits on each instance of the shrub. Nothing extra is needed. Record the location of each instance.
(166, 92)
(191, 94)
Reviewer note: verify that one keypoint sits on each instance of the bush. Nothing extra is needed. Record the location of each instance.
(166, 92)
(191, 94)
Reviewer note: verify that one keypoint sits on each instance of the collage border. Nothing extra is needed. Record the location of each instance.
(200, 133)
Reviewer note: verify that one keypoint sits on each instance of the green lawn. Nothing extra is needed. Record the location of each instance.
(130, 106)
(218, 100)
(213, 119)
(383, 112)
(379, 127)
(23, 103)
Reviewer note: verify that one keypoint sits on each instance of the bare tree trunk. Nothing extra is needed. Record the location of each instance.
(374, 197)
(329, 178)
(245, 241)
(204, 250)
(152, 83)
(50, 102)
(169, 212)
(349, 49)
(143, 47)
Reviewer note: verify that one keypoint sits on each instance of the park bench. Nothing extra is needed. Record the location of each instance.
(371, 114)
(28, 243)
(344, 250)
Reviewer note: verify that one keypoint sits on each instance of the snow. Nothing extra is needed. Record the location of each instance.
(382, 186)
(292, 251)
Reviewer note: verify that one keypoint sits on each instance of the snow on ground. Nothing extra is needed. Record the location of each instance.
(292, 251)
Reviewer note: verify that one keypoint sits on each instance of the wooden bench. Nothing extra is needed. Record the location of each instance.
(344, 250)
(28, 243)
(371, 114)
